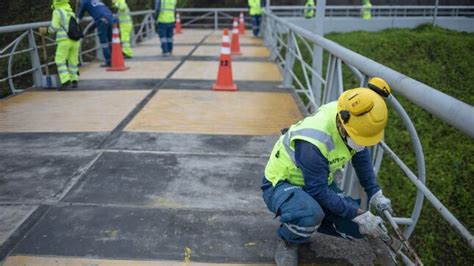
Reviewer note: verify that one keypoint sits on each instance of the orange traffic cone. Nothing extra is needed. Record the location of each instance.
(178, 29)
(235, 46)
(118, 63)
(242, 23)
(224, 75)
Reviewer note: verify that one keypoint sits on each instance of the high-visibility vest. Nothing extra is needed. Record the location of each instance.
(60, 22)
(255, 7)
(367, 10)
(167, 11)
(123, 11)
(309, 9)
(320, 130)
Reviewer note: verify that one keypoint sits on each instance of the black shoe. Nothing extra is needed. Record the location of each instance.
(105, 65)
(65, 86)
(286, 253)
(74, 84)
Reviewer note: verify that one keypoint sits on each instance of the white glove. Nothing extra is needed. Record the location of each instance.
(370, 224)
(381, 203)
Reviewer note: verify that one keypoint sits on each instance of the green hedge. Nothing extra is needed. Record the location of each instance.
(444, 60)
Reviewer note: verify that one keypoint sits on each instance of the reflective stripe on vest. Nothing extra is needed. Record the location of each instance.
(318, 135)
(167, 11)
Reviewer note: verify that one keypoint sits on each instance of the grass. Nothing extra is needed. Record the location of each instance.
(444, 60)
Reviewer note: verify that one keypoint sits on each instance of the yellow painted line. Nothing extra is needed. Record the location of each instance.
(245, 71)
(223, 113)
(217, 39)
(156, 50)
(250, 51)
(68, 111)
(71, 261)
(138, 70)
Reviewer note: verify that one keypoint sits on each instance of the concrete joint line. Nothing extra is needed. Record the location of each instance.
(188, 153)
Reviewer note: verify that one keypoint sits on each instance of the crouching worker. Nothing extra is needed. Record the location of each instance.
(67, 51)
(298, 185)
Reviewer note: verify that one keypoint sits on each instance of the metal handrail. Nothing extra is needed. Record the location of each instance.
(456, 112)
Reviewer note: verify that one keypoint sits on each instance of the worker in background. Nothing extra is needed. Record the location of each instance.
(256, 11)
(67, 50)
(165, 19)
(126, 26)
(303, 175)
(309, 9)
(103, 19)
(366, 9)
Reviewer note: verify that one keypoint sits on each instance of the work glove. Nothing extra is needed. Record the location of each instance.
(43, 30)
(370, 224)
(381, 203)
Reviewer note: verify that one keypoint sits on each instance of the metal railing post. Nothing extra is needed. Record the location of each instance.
(318, 52)
(289, 61)
(435, 12)
(216, 20)
(35, 61)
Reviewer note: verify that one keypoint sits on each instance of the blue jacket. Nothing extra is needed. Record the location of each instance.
(315, 169)
(96, 9)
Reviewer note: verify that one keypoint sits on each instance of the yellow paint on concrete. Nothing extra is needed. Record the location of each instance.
(73, 111)
(138, 70)
(209, 112)
(156, 50)
(71, 261)
(217, 39)
(250, 71)
(247, 51)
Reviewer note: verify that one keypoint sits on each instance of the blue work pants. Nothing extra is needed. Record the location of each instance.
(301, 215)
(166, 31)
(256, 20)
(104, 28)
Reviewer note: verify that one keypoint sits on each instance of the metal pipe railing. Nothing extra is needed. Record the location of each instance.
(454, 112)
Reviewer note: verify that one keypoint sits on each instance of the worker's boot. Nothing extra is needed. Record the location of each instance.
(286, 253)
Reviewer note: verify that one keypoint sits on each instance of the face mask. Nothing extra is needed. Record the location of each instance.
(354, 146)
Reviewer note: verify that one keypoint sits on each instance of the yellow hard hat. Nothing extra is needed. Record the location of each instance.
(363, 114)
(380, 86)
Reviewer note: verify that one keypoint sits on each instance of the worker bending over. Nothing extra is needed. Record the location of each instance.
(165, 22)
(67, 51)
(256, 11)
(103, 19)
(299, 184)
(126, 26)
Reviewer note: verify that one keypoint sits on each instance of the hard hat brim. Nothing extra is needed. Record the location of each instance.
(365, 141)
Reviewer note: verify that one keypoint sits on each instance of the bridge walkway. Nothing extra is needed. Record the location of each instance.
(150, 166)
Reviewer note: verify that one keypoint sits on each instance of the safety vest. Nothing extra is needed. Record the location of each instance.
(60, 23)
(123, 12)
(320, 130)
(255, 7)
(167, 11)
(309, 9)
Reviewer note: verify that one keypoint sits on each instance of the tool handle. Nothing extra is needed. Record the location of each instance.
(402, 238)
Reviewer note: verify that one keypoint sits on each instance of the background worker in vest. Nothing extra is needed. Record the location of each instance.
(366, 9)
(126, 26)
(67, 51)
(164, 12)
(103, 19)
(309, 9)
(302, 174)
(256, 11)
